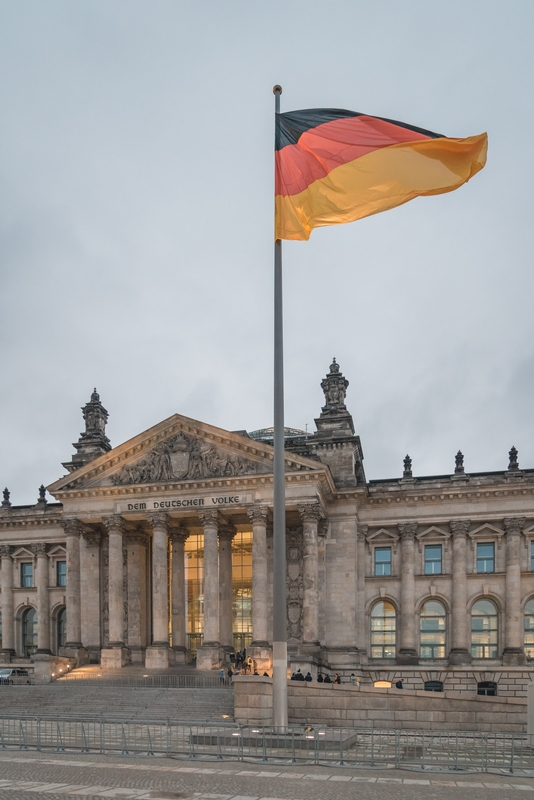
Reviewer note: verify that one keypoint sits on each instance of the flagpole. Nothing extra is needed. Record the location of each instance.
(279, 500)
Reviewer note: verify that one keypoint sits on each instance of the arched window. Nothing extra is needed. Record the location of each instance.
(383, 630)
(528, 639)
(432, 630)
(29, 632)
(484, 629)
(61, 627)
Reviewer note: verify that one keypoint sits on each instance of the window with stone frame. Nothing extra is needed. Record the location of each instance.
(26, 574)
(432, 630)
(528, 636)
(484, 629)
(382, 561)
(61, 573)
(383, 630)
(485, 557)
(433, 559)
(532, 555)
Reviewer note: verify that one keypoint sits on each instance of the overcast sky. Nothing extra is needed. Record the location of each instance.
(136, 219)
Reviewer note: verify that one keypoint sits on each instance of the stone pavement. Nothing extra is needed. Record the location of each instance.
(60, 776)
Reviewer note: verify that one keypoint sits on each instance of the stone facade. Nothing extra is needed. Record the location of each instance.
(427, 577)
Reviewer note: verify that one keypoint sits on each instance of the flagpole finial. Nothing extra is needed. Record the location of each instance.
(276, 89)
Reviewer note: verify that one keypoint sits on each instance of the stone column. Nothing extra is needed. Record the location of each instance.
(209, 654)
(226, 632)
(513, 654)
(159, 654)
(408, 651)
(8, 623)
(90, 588)
(361, 632)
(73, 646)
(310, 514)
(136, 547)
(258, 516)
(43, 609)
(115, 655)
(179, 622)
(460, 653)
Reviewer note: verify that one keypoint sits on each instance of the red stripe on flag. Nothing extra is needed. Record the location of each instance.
(321, 149)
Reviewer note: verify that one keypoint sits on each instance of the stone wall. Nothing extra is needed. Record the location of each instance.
(511, 681)
(369, 707)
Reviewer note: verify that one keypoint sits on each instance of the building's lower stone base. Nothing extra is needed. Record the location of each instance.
(159, 657)
(47, 668)
(209, 656)
(115, 657)
(75, 652)
(180, 656)
(369, 707)
(261, 655)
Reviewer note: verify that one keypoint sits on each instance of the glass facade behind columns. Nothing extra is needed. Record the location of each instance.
(194, 591)
(241, 590)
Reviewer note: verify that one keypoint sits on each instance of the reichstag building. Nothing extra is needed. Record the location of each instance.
(159, 552)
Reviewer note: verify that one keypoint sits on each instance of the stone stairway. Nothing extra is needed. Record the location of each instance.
(73, 698)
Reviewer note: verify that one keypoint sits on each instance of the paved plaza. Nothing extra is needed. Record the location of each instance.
(26, 775)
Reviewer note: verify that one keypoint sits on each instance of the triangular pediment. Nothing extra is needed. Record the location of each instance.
(433, 532)
(179, 449)
(383, 535)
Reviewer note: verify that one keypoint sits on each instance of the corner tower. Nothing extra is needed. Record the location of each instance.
(93, 442)
(335, 443)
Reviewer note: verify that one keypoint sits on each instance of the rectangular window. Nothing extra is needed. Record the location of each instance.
(382, 560)
(485, 557)
(26, 575)
(433, 560)
(61, 573)
(532, 556)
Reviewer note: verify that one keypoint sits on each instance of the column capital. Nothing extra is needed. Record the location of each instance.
(72, 527)
(460, 527)
(136, 537)
(113, 523)
(209, 517)
(310, 512)
(39, 549)
(5, 551)
(407, 530)
(258, 514)
(227, 532)
(514, 525)
(179, 535)
(92, 538)
(158, 519)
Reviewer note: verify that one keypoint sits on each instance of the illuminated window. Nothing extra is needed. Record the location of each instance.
(242, 589)
(382, 684)
(383, 630)
(382, 560)
(433, 560)
(194, 596)
(528, 640)
(432, 630)
(484, 629)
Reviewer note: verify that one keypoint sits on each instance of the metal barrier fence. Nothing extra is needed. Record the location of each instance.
(339, 747)
(146, 681)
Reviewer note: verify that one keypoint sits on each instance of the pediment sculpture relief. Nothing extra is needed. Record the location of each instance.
(184, 457)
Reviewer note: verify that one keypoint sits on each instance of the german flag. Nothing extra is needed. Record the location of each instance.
(335, 166)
